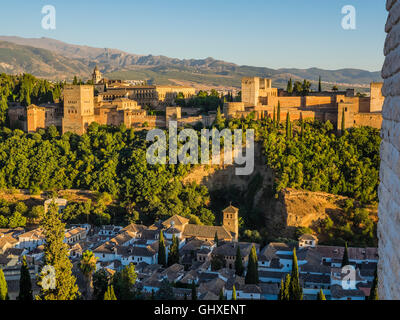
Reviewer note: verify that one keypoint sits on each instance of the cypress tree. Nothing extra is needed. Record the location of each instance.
(343, 121)
(374, 289)
(161, 250)
(252, 268)
(345, 260)
(3, 286)
(25, 284)
(234, 293)
(173, 255)
(296, 292)
(216, 238)
(281, 290)
(288, 126)
(301, 125)
(319, 85)
(56, 255)
(321, 295)
(274, 118)
(239, 268)
(218, 120)
(278, 116)
(194, 291)
(284, 292)
(289, 87)
(110, 294)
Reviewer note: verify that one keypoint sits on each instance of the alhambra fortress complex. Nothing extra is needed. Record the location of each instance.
(116, 102)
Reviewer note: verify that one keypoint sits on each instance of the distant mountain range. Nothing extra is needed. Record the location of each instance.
(56, 60)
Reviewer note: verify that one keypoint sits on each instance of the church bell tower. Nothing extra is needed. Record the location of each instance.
(231, 221)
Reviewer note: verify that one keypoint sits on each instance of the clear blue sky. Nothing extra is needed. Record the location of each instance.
(268, 33)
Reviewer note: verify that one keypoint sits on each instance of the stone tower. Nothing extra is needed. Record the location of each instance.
(96, 77)
(389, 188)
(78, 108)
(231, 221)
(377, 98)
(250, 90)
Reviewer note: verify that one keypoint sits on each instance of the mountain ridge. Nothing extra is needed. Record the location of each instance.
(68, 60)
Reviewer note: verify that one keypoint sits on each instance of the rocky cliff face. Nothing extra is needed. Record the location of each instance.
(218, 177)
(282, 214)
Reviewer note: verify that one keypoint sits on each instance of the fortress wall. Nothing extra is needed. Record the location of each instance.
(286, 102)
(313, 101)
(368, 119)
(297, 114)
(389, 189)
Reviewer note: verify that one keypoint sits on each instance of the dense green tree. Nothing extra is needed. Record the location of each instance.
(301, 126)
(124, 281)
(305, 87)
(25, 283)
(278, 115)
(161, 250)
(56, 255)
(110, 294)
(173, 254)
(343, 125)
(252, 268)
(284, 291)
(3, 109)
(216, 238)
(289, 87)
(239, 268)
(219, 121)
(319, 85)
(274, 118)
(100, 284)
(289, 132)
(296, 292)
(298, 88)
(342, 165)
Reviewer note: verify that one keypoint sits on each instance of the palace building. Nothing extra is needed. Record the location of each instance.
(153, 96)
(107, 102)
(260, 98)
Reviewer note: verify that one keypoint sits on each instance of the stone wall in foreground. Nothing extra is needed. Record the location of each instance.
(389, 189)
